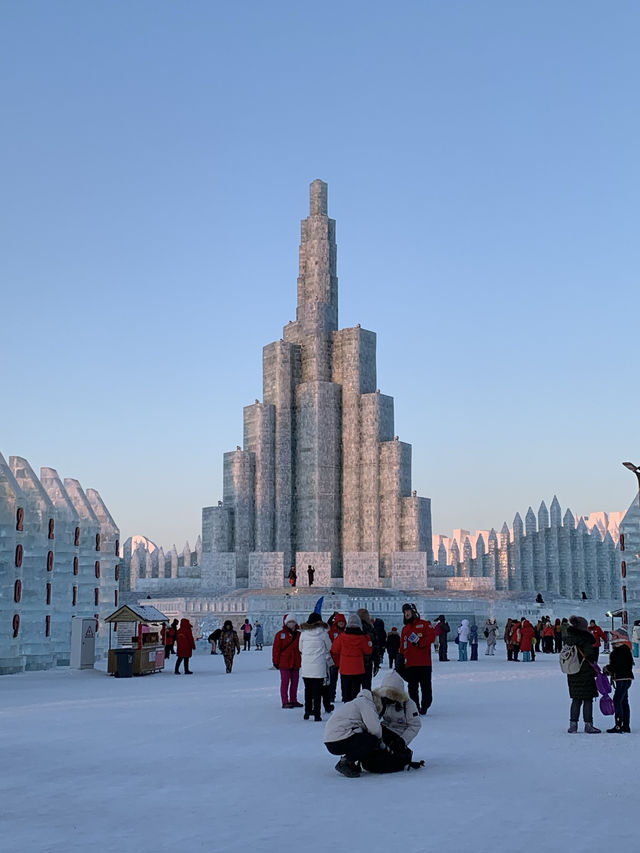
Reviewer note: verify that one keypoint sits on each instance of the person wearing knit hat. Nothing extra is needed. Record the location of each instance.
(286, 658)
(315, 648)
(582, 684)
(579, 622)
(349, 651)
(620, 670)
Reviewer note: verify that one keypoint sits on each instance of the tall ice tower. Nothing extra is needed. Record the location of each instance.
(321, 480)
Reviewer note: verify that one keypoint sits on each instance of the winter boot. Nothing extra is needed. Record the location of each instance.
(617, 729)
(590, 729)
(573, 727)
(348, 768)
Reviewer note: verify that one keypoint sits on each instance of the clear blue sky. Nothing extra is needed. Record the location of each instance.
(482, 161)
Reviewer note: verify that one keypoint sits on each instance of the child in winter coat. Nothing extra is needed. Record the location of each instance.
(349, 651)
(229, 644)
(620, 670)
(286, 657)
(315, 649)
(185, 644)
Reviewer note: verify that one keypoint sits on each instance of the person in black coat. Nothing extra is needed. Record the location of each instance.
(582, 685)
(442, 632)
(620, 670)
(393, 646)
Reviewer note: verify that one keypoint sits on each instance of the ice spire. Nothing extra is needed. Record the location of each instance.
(317, 311)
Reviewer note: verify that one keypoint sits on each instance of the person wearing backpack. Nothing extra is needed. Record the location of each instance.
(582, 684)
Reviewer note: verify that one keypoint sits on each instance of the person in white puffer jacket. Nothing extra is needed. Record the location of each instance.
(315, 648)
(463, 639)
(354, 731)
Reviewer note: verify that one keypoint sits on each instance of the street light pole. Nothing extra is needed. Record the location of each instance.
(623, 567)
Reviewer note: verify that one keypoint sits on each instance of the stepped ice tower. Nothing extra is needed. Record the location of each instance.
(322, 479)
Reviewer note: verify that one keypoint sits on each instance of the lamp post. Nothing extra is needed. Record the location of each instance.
(623, 566)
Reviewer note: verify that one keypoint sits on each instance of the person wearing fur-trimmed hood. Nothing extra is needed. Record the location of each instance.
(398, 711)
(315, 648)
(353, 731)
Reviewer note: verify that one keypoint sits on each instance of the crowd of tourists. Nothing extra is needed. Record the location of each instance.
(372, 728)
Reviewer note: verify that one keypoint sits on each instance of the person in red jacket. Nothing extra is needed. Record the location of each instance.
(286, 657)
(169, 638)
(527, 634)
(415, 646)
(547, 637)
(349, 651)
(599, 637)
(337, 624)
(185, 644)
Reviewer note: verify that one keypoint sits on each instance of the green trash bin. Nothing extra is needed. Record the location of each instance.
(124, 663)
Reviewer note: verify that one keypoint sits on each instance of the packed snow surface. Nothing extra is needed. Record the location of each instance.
(212, 762)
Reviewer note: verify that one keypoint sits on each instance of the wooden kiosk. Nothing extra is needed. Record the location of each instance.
(145, 644)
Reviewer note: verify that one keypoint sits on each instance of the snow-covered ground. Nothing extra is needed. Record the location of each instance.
(211, 762)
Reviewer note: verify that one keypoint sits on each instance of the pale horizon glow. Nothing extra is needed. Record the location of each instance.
(482, 171)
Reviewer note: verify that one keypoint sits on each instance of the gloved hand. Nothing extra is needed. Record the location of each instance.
(415, 765)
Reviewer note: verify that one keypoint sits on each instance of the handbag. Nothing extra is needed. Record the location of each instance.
(456, 639)
(603, 686)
